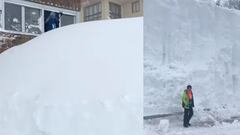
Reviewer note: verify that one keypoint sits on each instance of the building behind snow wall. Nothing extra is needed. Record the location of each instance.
(22, 20)
(110, 9)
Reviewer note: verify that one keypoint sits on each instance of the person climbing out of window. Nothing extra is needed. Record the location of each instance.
(52, 22)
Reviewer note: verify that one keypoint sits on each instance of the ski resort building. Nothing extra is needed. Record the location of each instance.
(110, 9)
(22, 20)
(28, 16)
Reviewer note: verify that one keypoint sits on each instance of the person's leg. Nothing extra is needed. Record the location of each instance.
(185, 117)
(190, 114)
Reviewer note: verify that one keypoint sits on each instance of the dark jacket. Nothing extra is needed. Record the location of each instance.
(52, 22)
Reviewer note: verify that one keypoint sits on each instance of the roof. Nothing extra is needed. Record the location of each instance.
(67, 4)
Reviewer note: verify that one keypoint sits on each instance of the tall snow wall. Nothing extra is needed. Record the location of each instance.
(189, 42)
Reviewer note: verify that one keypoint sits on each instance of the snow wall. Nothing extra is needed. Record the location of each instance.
(83, 79)
(189, 42)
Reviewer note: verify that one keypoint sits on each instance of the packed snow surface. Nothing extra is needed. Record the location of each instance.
(83, 79)
(223, 129)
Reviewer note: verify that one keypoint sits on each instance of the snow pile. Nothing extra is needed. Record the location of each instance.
(83, 79)
(163, 126)
(187, 42)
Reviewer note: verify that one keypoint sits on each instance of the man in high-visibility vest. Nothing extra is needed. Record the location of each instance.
(187, 104)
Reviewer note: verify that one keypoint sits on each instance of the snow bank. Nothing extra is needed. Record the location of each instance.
(83, 79)
(189, 42)
(163, 126)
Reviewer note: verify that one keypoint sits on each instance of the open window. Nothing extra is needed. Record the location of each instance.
(48, 22)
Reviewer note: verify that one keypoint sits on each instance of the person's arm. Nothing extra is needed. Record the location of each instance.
(192, 102)
(184, 99)
(47, 19)
(60, 14)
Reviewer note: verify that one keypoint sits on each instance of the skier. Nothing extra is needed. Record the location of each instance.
(187, 104)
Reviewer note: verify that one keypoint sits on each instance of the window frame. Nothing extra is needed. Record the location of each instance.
(20, 16)
(136, 6)
(42, 8)
(116, 15)
(1, 19)
(90, 15)
(1, 15)
(41, 15)
(61, 24)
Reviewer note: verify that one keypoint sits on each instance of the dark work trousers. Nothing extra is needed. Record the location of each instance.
(188, 113)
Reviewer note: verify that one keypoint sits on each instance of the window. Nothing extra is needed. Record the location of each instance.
(0, 19)
(67, 20)
(13, 17)
(93, 12)
(136, 6)
(115, 10)
(22, 18)
(1, 15)
(32, 20)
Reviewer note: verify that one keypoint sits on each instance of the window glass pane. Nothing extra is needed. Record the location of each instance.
(95, 9)
(1, 8)
(32, 20)
(136, 6)
(115, 10)
(90, 11)
(67, 20)
(0, 19)
(13, 17)
(100, 8)
(93, 12)
(86, 12)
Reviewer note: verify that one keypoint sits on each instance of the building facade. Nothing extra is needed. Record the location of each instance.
(25, 16)
(92, 10)
(22, 20)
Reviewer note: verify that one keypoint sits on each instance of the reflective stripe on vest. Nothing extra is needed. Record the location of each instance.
(189, 94)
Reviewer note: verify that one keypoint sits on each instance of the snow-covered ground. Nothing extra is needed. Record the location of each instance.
(197, 43)
(83, 79)
(223, 129)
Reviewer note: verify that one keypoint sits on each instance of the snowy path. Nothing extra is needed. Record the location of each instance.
(229, 127)
(225, 129)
